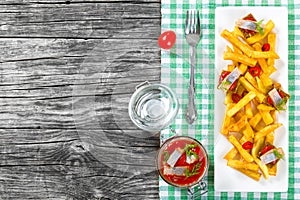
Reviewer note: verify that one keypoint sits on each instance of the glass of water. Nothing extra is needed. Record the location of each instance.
(153, 107)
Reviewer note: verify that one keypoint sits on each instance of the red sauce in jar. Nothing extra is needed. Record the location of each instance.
(196, 170)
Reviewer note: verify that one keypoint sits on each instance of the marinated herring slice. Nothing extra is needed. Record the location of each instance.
(174, 157)
(178, 171)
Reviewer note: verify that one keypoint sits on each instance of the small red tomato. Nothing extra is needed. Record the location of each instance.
(266, 47)
(167, 39)
(235, 97)
(247, 145)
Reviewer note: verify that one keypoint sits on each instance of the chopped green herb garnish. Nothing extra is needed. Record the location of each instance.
(194, 171)
(224, 85)
(189, 152)
(166, 156)
(282, 104)
(277, 154)
(259, 28)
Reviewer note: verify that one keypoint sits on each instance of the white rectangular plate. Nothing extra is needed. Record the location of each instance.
(226, 178)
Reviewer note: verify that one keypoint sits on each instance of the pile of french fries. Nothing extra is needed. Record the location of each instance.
(250, 119)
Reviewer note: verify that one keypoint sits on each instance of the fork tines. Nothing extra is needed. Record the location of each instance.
(192, 22)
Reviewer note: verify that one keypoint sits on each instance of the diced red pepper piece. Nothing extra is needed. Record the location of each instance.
(224, 74)
(266, 149)
(235, 97)
(233, 86)
(247, 145)
(255, 71)
(266, 47)
(281, 93)
(269, 100)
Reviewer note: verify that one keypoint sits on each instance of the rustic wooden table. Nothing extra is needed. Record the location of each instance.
(68, 69)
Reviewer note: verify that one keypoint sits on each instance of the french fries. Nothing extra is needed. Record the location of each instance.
(250, 121)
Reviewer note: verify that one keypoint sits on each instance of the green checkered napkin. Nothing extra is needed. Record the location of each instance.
(175, 73)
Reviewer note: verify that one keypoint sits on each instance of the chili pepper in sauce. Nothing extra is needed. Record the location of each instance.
(266, 47)
(255, 71)
(247, 145)
(235, 97)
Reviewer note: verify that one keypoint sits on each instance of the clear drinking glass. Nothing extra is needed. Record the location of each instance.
(153, 107)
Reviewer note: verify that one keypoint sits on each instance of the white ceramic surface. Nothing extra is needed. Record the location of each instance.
(226, 178)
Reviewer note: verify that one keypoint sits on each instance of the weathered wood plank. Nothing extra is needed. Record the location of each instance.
(47, 83)
(59, 164)
(65, 131)
(80, 20)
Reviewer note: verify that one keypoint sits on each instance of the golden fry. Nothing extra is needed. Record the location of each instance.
(248, 110)
(261, 61)
(266, 80)
(243, 68)
(238, 164)
(258, 145)
(255, 120)
(231, 154)
(240, 149)
(266, 116)
(263, 168)
(254, 175)
(236, 42)
(226, 125)
(265, 107)
(266, 130)
(264, 54)
(250, 88)
(230, 68)
(239, 124)
(258, 37)
(271, 41)
(251, 79)
(261, 86)
(273, 170)
(240, 58)
(248, 131)
(270, 138)
(246, 99)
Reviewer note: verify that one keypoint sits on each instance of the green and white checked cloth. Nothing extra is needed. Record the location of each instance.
(175, 73)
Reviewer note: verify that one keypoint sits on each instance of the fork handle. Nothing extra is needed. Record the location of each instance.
(191, 111)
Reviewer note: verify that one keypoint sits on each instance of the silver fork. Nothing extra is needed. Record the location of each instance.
(192, 35)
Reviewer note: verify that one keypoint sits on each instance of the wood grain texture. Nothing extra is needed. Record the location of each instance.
(67, 71)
